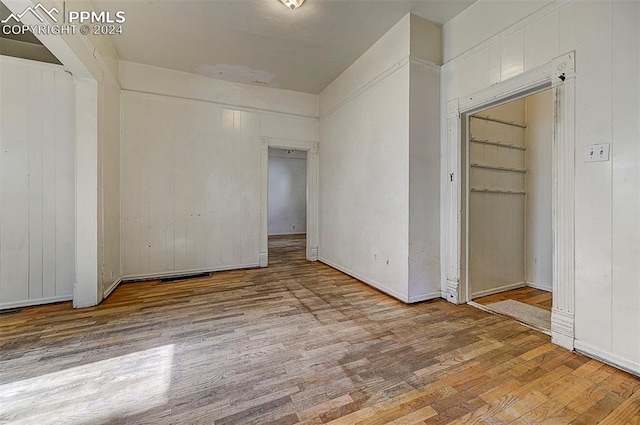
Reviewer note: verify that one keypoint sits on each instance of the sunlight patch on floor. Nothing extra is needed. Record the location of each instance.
(91, 393)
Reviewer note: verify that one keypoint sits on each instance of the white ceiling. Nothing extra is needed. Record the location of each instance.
(261, 41)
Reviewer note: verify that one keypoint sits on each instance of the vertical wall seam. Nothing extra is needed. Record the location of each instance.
(611, 158)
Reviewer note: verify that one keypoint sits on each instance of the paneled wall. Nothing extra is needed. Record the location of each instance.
(190, 168)
(287, 199)
(489, 43)
(497, 199)
(190, 186)
(37, 183)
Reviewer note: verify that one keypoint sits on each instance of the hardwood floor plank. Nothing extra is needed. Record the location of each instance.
(626, 413)
(295, 343)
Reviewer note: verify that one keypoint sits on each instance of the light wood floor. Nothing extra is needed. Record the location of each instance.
(298, 342)
(531, 296)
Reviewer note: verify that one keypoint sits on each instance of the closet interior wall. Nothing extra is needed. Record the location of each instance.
(538, 232)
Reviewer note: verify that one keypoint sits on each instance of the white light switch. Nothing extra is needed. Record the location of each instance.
(597, 153)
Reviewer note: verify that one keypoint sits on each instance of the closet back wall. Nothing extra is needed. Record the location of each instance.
(497, 201)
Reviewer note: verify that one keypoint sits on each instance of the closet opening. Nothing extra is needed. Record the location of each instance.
(509, 170)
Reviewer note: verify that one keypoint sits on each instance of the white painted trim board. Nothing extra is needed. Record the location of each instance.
(111, 288)
(493, 291)
(312, 232)
(376, 285)
(396, 66)
(224, 105)
(540, 286)
(39, 301)
(607, 357)
(162, 275)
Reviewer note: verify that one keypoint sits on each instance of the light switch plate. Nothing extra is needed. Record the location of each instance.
(597, 153)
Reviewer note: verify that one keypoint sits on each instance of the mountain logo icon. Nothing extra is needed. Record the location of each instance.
(39, 11)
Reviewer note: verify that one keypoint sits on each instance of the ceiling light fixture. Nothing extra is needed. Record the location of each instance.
(292, 4)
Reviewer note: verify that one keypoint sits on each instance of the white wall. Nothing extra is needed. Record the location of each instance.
(109, 245)
(364, 161)
(392, 48)
(379, 126)
(538, 233)
(424, 172)
(364, 186)
(605, 36)
(37, 183)
(190, 170)
(287, 209)
(497, 220)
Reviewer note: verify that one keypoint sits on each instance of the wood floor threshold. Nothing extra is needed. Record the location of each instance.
(489, 310)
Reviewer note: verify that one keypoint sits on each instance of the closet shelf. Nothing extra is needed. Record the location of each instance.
(491, 167)
(498, 120)
(494, 190)
(501, 144)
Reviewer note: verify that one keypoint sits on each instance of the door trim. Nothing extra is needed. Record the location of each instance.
(312, 193)
(559, 75)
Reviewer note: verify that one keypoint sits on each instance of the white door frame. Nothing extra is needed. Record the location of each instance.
(559, 74)
(312, 193)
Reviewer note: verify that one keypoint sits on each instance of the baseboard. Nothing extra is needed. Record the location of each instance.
(498, 290)
(39, 301)
(540, 286)
(312, 254)
(288, 234)
(377, 285)
(110, 289)
(161, 275)
(481, 307)
(562, 328)
(607, 357)
(450, 293)
(425, 297)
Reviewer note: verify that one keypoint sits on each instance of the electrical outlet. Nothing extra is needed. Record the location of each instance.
(597, 153)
